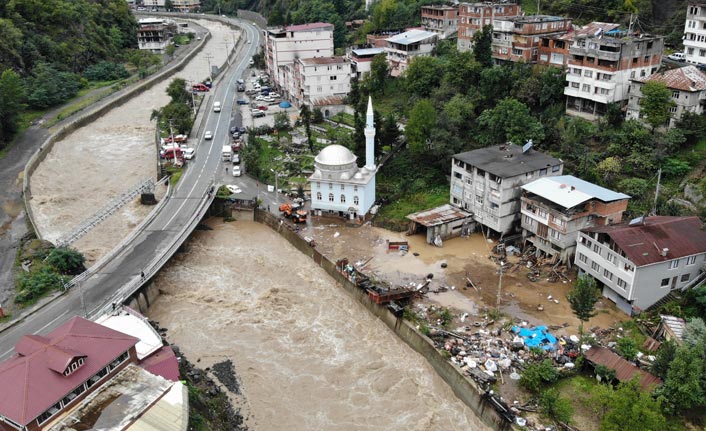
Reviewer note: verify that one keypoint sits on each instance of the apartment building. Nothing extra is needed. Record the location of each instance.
(154, 34)
(688, 85)
(442, 20)
(285, 44)
(518, 39)
(601, 66)
(474, 16)
(554, 49)
(555, 209)
(695, 33)
(186, 5)
(486, 182)
(362, 59)
(402, 48)
(638, 263)
(320, 81)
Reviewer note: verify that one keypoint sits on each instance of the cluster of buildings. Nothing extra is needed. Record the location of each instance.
(161, 5)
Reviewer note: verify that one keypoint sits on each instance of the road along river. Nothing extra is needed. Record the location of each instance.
(309, 357)
(102, 160)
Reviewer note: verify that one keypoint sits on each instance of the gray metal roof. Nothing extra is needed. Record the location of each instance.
(569, 191)
(368, 51)
(412, 36)
(507, 160)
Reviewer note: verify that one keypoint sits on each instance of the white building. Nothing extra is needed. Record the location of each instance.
(338, 185)
(402, 48)
(639, 263)
(285, 44)
(362, 60)
(688, 85)
(320, 81)
(695, 33)
(154, 34)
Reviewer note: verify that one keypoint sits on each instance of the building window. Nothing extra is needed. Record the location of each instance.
(458, 175)
(674, 264)
(355, 188)
(691, 260)
(665, 282)
(330, 197)
(556, 234)
(629, 267)
(586, 88)
(588, 73)
(318, 196)
(343, 199)
(355, 200)
(607, 274)
(684, 278)
(621, 283)
(673, 110)
(479, 200)
(597, 248)
(611, 258)
(556, 168)
(542, 172)
(594, 266)
(583, 258)
(574, 85)
(676, 94)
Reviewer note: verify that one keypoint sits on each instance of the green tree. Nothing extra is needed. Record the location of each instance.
(482, 49)
(582, 299)
(390, 132)
(379, 72)
(693, 127)
(66, 260)
(633, 409)
(50, 87)
(317, 116)
(177, 91)
(663, 358)
(685, 385)
(12, 95)
(538, 374)
(608, 169)
(423, 75)
(422, 120)
(627, 348)
(305, 115)
(282, 121)
(553, 405)
(655, 103)
(509, 121)
(32, 285)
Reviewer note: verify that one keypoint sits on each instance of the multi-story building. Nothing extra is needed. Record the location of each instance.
(695, 33)
(688, 85)
(442, 20)
(554, 50)
(601, 66)
(284, 44)
(403, 47)
(153, 4)
(555, 209)
(154, 34)
(638, 263)
(320, 80)
(486, 182)
(361, 60)
(186, 5)
(518, 39)
(474, 16)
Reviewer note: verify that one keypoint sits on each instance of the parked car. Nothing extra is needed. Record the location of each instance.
(260, 98)
(233, 129)
(262, 108)
(236, 171)
(677, 56)
(240, 81)
(275, 95)
(199, 87)
(208, 135)
(236, 159)
(242, 102)
(241, 129)
(241, 88)
(251, 62)
(259, 114)
(254, 111)
(189, 153)
(268, 99)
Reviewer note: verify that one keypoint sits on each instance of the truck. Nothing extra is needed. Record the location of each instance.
(293, 211)
(226, 153)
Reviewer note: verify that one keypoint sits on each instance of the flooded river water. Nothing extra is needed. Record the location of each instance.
(309, 357)
(103, 159)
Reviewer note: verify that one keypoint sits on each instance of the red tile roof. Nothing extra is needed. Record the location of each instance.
(32, 380)
(688, 78)
(624, 370)
(643, 243)
(163, 363)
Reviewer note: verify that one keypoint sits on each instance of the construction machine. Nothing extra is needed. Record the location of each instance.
(293, 212)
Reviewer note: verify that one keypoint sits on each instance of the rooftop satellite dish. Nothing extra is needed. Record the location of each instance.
(637, 221)
(527, 146)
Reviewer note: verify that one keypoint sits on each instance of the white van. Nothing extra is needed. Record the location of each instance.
(677, 56)
(216, 106)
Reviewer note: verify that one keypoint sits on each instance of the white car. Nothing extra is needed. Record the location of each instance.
(251, 62)
(677, 56)
(275, 95)
(236, 158)
(236, 173)
(259, 98)
(189, 153)
(233, 189)
(208, 135)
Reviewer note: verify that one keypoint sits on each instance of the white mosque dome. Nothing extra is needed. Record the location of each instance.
(358, 176)
(335, 155)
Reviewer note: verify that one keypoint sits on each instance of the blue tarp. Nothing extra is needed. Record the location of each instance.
(536, 337)
(285, 104)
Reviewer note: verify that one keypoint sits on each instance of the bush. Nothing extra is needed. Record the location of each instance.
(50, 87)
(553, 405)
(538, 375)
(66, 260)
(33, 285)
(627, 348)
(106, 71)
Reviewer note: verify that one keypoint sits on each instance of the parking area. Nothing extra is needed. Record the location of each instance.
(252, 110)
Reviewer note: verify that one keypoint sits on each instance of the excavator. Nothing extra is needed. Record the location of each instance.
(293, 212)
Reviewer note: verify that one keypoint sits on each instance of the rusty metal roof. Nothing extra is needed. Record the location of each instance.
(645, 243)
(440, 215)
(687, 78)
(624, 370)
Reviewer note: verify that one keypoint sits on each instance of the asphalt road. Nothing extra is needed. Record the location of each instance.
(104, 287)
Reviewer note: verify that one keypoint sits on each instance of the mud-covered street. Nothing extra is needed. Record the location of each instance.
(308, 355)
(102, 160)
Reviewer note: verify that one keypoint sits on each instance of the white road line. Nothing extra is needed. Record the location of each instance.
(52, 322)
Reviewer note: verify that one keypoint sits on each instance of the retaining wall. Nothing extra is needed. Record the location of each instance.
(464, 388)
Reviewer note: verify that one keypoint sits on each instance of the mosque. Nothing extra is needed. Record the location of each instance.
(338, 185)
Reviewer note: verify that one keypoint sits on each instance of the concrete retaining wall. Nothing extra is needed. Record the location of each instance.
(464, 388)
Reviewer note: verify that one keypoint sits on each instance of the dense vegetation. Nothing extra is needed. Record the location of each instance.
(50, 49)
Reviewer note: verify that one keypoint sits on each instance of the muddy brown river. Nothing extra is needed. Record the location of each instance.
(309, 357)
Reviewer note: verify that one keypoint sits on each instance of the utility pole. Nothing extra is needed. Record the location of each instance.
(538, 7)
(171, 133)
(208, 58)
(659, 179)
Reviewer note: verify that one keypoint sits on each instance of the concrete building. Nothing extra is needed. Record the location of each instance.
(442, 20)
(320, 81)
(486, 182)
(695, 33)
(517, 39)
(285, 44)
(601, 66)
(153, 4)
(154, 34)
(402, 48)
(638, 263)
(186, 5)
(474, 16)
(555, 209)
(688, 85)
(554, 49)
(337, 185)
(361, 60)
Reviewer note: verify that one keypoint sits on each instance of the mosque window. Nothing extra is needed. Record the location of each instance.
(318, 196)
(355, 200)
(330, 197)
(343, 199)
